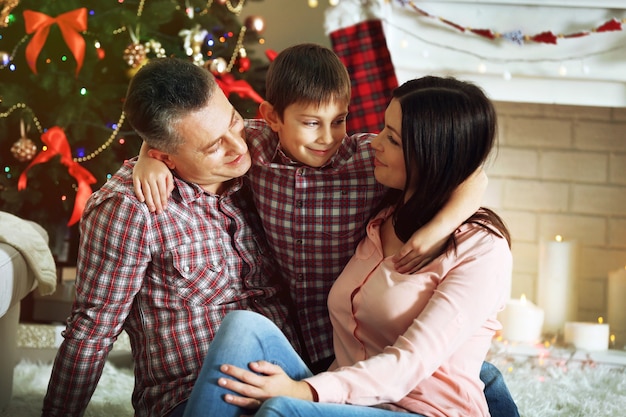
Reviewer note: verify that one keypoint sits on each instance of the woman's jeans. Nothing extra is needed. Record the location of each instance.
(244, 337)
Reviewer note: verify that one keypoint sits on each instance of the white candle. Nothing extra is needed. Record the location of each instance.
(521, 321)
(616, 310)
(587, 336)
(557, 284)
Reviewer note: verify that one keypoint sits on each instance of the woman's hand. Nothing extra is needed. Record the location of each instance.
(253, 388)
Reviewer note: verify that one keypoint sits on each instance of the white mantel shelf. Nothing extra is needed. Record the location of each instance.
(587, 71)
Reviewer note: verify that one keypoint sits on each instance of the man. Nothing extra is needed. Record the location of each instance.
(167, 279)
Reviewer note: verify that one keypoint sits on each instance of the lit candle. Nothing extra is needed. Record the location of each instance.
(556, 283)
(587, 336)
(521, 321)
(615, 306)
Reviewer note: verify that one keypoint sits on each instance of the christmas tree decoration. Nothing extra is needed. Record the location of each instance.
(7, 7)
(218, 66)
(255, 24)
(134, 55)
(64, 70)
(193, 40)
(24, 149)
(71, 24)
(4, 58)
(57, 145)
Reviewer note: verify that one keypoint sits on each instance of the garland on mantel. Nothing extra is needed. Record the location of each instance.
(516, 36)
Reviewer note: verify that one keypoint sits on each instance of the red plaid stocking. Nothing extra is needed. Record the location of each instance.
(363, 50)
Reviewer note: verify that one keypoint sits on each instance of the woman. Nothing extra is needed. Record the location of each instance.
(403, 343)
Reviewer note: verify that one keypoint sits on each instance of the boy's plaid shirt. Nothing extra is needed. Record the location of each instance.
(313, 219)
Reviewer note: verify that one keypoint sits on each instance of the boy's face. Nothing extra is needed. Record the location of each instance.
(311, 134)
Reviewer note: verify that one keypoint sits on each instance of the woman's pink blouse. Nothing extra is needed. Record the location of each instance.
(416, 342)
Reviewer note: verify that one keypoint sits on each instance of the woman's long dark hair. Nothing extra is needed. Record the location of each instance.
(448, 131)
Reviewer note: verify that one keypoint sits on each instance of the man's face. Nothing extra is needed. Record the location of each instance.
(312, 134)
(213, 149)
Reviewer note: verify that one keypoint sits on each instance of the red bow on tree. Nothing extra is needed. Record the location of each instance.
(70, 23)
(229, 85)
(57, 144)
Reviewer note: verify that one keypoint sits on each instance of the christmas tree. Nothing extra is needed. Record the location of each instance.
(64, 70)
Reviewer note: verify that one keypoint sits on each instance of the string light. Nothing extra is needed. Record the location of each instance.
(88, 157)
(235, 9)
(314, 3)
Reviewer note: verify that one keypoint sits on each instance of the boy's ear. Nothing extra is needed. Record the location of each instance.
(162, 156)
(269, 114)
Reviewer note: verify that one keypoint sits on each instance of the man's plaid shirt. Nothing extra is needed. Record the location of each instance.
(168, 280)
(313, 219)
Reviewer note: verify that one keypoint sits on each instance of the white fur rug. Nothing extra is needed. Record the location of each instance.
(542, 387)
(112, 396)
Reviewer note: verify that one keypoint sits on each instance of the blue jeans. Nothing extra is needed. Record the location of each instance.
(498, 397)
(245, 336)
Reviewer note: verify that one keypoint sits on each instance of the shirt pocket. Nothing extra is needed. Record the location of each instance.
(195, 278)
(343, 215)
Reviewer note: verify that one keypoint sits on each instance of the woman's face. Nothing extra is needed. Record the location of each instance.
(389, 167)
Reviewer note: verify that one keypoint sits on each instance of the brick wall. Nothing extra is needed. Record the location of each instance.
(562, 170)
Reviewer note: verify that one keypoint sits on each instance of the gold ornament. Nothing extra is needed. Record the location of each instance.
(131, 71)
(134, 54)
(24, 149)
(5, 11)
(218, 66)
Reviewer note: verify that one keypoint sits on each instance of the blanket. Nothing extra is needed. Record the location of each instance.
(26, 239)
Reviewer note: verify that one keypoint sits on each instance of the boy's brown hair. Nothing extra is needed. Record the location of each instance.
(306, 73)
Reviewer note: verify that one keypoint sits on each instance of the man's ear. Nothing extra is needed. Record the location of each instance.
(162, 156)
(269, 114)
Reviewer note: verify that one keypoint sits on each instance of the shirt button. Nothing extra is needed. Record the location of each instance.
(300, 277)
(299, 203)
(186, 269)
(299, 241)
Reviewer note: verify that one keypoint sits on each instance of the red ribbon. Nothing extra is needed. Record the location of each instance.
(229, 85)
(57, 144)
(70, 23)
(271, 54)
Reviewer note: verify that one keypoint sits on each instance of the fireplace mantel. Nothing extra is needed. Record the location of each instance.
(587, 70)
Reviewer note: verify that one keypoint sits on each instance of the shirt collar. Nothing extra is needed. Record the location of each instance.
(186, 192)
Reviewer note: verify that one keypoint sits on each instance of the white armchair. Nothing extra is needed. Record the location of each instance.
(26, 262)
